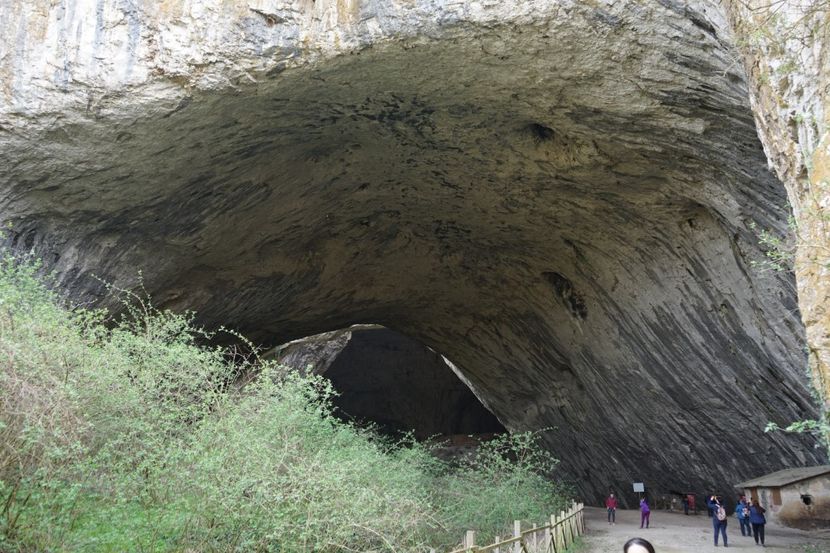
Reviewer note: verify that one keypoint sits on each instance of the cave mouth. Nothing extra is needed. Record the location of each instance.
(559, 198)
(394, 383)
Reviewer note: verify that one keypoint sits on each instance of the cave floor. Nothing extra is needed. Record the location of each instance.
(677, 533)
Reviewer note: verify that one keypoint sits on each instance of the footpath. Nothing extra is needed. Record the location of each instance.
(672, 532)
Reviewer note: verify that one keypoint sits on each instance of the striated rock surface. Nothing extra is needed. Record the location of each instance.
(557, 196)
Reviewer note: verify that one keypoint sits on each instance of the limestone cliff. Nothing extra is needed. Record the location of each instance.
(785, 48)
(558, 196)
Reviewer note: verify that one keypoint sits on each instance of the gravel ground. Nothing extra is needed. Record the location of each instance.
(672, 532)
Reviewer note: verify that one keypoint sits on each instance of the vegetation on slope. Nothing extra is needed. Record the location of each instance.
(130, 436)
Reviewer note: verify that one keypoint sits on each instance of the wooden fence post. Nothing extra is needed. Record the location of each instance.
(581, 519)
(576, 518)
(570, 526)
(574, 532)
(517, 533)
(553, 548)
(568, 529)
(547, 546)
(470, 539)
(497, 549)
(575, 522)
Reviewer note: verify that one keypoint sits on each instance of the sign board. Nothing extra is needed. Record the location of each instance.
(639, 487)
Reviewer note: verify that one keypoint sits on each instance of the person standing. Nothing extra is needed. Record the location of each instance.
(718, 518)
(645, 512)
(685, 504)
(742, 512)
(758, 520)
(611, 505)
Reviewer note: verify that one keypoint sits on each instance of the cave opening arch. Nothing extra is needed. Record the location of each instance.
(393, 383)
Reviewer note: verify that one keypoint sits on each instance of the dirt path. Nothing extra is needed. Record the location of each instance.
(678, 533)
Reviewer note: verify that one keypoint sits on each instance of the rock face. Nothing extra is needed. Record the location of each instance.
(385, 378)
(789, 68)
(559, 197)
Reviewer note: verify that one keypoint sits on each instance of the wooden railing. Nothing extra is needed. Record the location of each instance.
(553, 536)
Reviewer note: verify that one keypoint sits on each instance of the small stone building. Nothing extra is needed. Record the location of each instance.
(797, 497)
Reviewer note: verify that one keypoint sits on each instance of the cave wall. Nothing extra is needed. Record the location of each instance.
(560, 197)
(388, 379)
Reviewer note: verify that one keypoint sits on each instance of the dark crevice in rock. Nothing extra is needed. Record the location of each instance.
(564, 289)
(540, 133)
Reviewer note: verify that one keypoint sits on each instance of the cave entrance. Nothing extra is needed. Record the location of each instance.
(394, 382)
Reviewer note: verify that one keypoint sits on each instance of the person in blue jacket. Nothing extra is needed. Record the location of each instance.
(742, 512)
(718, 518)
(758, 520)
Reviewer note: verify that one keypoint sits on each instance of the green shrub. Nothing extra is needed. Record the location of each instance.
(133, 437)
(509, 479)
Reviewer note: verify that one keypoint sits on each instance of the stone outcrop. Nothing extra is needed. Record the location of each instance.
(559, 197)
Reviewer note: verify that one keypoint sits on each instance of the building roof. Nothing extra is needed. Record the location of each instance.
(784, 477)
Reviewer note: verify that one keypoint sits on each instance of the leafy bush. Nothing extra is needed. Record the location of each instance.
(511, 479)
(133, 437)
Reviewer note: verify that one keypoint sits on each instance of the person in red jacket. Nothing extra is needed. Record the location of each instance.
(611, 505)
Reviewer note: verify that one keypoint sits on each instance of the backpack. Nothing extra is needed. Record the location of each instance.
(721, 513)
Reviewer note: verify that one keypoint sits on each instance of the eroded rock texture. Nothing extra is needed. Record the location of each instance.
(557, 196)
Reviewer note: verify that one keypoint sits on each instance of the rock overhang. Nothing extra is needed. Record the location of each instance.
(559, 200)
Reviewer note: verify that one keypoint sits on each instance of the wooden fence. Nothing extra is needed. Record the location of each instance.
(552, 536)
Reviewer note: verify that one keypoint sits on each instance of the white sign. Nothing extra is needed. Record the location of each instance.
(639, 487)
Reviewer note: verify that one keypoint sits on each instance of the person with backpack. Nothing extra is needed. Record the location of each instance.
(742, 512)
(645, 512)
(718, 518)
(758, 520)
